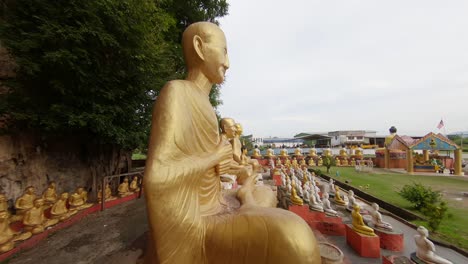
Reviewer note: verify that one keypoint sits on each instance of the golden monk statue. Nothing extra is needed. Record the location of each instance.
(303, 163)
(134, 185)
(327, 152)
(337, 162)
(295, 199)
(124, 188)
(298, 152)
(270, 153)
(284, 153)
(343, 152)
(25, 202)
(59, 210)
(311, 162)
(294, 163)
(78, 200)
(358, 223)
(312, 153)
(320, 162)
(50, 194)
(34, 220)
(190, 221)
(338, 199)
(7, 235)
(358, 152)
(353, 162)
(107, 194)
(278, 162)
(344, 162)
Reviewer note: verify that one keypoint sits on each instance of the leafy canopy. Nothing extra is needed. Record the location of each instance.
(94, 68)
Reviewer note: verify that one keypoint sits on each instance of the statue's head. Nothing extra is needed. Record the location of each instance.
(228, 127)
(423, 231)
(205, 50)
(125, 179)
(38, 202)
(351, 192)
(30, 190)
(2, 197)
(80, 190)
(239, 129)
(52, 185)
(375, 206)
(64, 196)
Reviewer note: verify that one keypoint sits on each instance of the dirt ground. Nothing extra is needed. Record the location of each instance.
(114, 236)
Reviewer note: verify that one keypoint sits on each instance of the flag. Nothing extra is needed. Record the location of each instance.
(441, 124)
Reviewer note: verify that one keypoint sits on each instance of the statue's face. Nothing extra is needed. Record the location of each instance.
(230, 130)
(216, 59)
(38, 203)
(30, 190)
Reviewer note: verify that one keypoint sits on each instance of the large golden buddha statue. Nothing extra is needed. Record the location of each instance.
(270, 153)
(190, 221)
(298, 152)
(343, 152)
(312, 152)
(284, 153)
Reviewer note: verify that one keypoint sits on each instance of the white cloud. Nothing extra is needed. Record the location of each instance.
(327, 65)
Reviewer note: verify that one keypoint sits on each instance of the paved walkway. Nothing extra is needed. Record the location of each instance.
(117, 236)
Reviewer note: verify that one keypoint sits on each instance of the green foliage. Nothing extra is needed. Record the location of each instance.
(419, 195)
(328, 162)
(94, 68)
(435, 213)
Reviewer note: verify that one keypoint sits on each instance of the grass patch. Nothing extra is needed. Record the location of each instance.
(385, 186)
(138, 156)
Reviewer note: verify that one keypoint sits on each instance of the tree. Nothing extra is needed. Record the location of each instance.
(91, 70)
(328, 162)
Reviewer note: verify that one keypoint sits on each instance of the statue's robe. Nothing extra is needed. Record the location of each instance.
(190, 221)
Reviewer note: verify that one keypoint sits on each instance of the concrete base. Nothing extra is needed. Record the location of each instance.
(389, 240)
(329, 228)
(365, 246)
(396, 260)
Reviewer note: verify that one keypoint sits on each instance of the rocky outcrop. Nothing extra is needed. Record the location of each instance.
(31, 160)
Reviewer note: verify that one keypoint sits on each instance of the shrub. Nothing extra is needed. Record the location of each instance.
(435, 213)
(420, 195)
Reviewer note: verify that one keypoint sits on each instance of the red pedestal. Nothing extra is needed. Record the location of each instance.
(315, 216)
(365, 246)
(333, 228)
(277, 179)
(390, 240)
(300, 210)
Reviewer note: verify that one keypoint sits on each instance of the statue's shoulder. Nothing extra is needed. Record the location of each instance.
(176, 86)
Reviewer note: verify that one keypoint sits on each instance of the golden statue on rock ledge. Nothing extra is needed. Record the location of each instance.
(190, 220)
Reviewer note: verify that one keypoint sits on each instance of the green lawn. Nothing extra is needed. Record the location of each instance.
(385, 184)
(138, 156)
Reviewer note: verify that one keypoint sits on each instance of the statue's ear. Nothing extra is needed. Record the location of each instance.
(198, 46)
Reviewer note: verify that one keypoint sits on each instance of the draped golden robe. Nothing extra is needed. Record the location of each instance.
(190, 221)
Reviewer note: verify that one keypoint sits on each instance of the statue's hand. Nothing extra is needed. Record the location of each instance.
(224, 157)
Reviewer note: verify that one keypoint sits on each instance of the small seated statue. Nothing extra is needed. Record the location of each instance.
(134, 185)
(358, 223)
(343, 152)
(320, 162)
(311, 162)
(284, 153)
(7, 235)
(270, 153)
(78, 200)
(338, 200)
(50, 194)
(353, 162)
(59, 210)
(314, 200)
(124, 189)
(331, 186)
(26, 201)
(358, 152)
(327, 206)
(337, 162)
(34, 220)
(295, 199)
(344, 162)
(302, 163)
(312, 153)
(377, 219)
(294, 163)
(278, 162)
(298, 152)
(287, 162)
(426, 249)
(351, 201)
(256, 153)
(107, 194)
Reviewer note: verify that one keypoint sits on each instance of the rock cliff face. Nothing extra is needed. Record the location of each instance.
(31, 159)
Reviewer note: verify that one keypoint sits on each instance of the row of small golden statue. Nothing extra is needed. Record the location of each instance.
(124, 189)
(38, 213)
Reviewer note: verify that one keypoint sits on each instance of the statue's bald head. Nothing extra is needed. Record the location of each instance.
(195, 37)
(226, 123)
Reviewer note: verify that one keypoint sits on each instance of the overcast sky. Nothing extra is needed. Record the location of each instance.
(310, 65)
